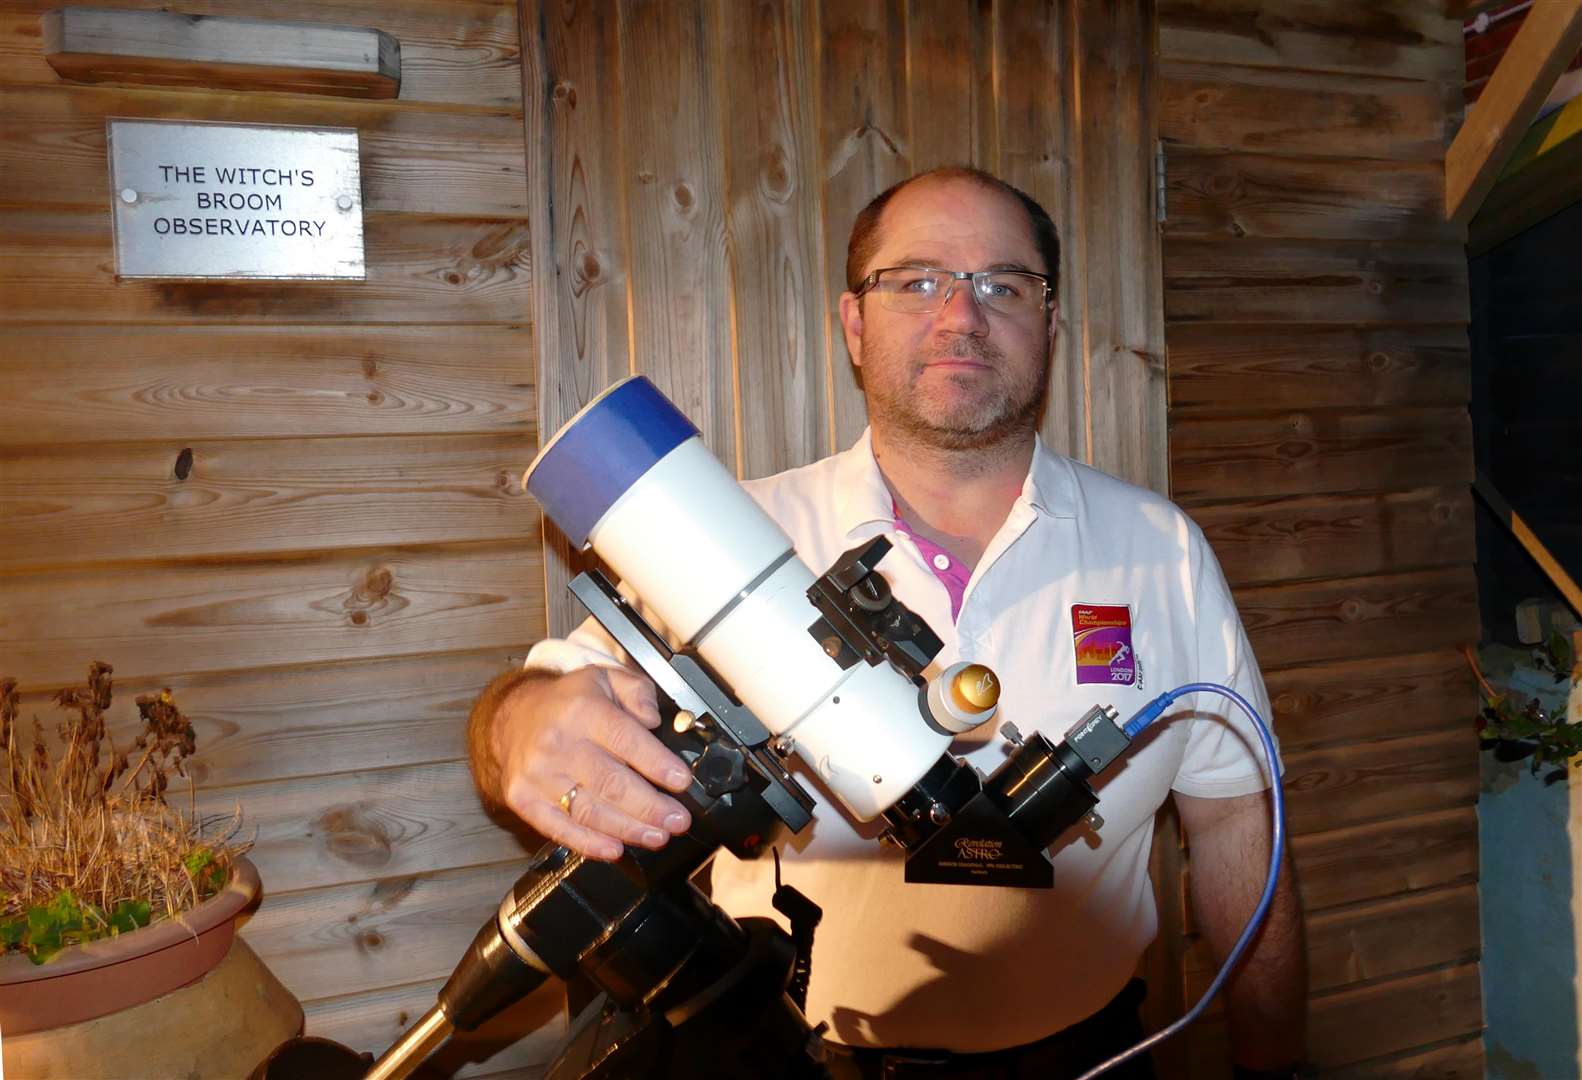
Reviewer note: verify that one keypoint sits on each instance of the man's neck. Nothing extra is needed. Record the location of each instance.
(956, 498)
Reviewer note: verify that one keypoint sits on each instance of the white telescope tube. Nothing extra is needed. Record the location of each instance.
(630, 478)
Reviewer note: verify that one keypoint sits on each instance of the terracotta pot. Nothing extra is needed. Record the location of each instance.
(117, 973)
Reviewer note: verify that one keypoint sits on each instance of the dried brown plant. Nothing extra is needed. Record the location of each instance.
(92, 821)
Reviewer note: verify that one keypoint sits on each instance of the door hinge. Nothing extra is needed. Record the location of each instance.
(1159, 181)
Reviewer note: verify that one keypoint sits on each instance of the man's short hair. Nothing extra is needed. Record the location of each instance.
(865, 230)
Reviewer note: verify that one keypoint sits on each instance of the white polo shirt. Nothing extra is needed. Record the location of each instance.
(1083, 565)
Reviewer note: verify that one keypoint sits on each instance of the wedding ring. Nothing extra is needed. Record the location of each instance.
(568, 798)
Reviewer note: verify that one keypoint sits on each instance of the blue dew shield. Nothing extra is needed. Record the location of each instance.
(630, 478)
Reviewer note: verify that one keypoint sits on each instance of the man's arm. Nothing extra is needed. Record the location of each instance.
(1267, 996)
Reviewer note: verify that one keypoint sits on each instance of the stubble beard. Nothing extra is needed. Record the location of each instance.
(1005, 411)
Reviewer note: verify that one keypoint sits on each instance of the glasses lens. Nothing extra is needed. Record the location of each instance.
(909, 288)
(1011, 292)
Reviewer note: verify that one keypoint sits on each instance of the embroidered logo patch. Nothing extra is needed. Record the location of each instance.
(1102, 636)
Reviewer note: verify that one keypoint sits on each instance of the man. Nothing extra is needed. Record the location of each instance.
(1076, 589)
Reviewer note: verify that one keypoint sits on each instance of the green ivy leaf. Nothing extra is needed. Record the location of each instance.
(128, 915)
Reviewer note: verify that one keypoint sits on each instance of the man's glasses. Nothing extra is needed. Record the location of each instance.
(922, 290)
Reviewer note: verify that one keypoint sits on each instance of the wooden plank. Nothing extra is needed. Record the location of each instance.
(865, 146)
(1459, 1059)
(1371, 941)
(1224, 366)
(1371, 698)
(573, 93)
(278, 723)
(1233, 195)
(949, 88)
(461, 52)
(1336, 786)
(359, 826)
(678, 300)
(1549, 39)
(1318, 450)
(520, 1042)
(1269, 540)
(196, 382)
(1543, 178)
(65, 505)
(214, 52)
(1399, 38)
(1343, 866)
(1122, 333)
(59, 267)
(773, 232)
(412, 159)
(1036, 116)
(1355, 1024)
(1350, 618)
(1311, 281)
(310, 608)
(1536, 548)
(1280, 111)
(353, 938)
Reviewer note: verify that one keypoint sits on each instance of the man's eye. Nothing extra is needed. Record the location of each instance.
(923, 285)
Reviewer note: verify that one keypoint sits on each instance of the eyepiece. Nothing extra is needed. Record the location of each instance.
(962, 697)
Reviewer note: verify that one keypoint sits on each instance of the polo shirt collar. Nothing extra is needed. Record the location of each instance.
(862, 500)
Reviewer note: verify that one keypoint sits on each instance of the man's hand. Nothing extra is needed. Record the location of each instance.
(536, 736)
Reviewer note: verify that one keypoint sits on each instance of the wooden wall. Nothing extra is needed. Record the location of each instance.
(1316, 312)
(700, 163)
(350, 557)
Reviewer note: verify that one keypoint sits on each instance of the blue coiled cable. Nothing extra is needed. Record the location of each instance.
(1134, 727)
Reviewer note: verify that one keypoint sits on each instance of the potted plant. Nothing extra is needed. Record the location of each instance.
(118, 910)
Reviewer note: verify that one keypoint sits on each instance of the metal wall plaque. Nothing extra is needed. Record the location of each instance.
(202, 200)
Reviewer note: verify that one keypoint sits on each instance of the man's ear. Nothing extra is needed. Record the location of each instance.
(1054, 323)
(851, 325)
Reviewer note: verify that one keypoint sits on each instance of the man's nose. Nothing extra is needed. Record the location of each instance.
(961, 312)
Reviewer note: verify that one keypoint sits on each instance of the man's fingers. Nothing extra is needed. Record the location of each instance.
(636, 694)
(628, 741)
(611, 783)
(549, 822)
(587, 823)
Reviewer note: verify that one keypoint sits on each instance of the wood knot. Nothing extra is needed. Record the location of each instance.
(590, 267)
(359, 618)
(184, 463)
(375, 585)
(565, 91)
(1379, 362)
(683, 196)
(1352, 610)
(453, 278)
(370, 366)
(777, 179)
(1375, 287)
(375, 397)
(1443, 513)
(350, 832)
(369, 940)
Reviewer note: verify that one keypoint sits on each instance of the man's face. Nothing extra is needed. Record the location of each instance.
(962, 376)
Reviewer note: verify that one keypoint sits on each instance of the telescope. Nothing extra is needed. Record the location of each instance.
(767, 673)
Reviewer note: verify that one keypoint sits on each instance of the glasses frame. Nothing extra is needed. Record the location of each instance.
(867, 284)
